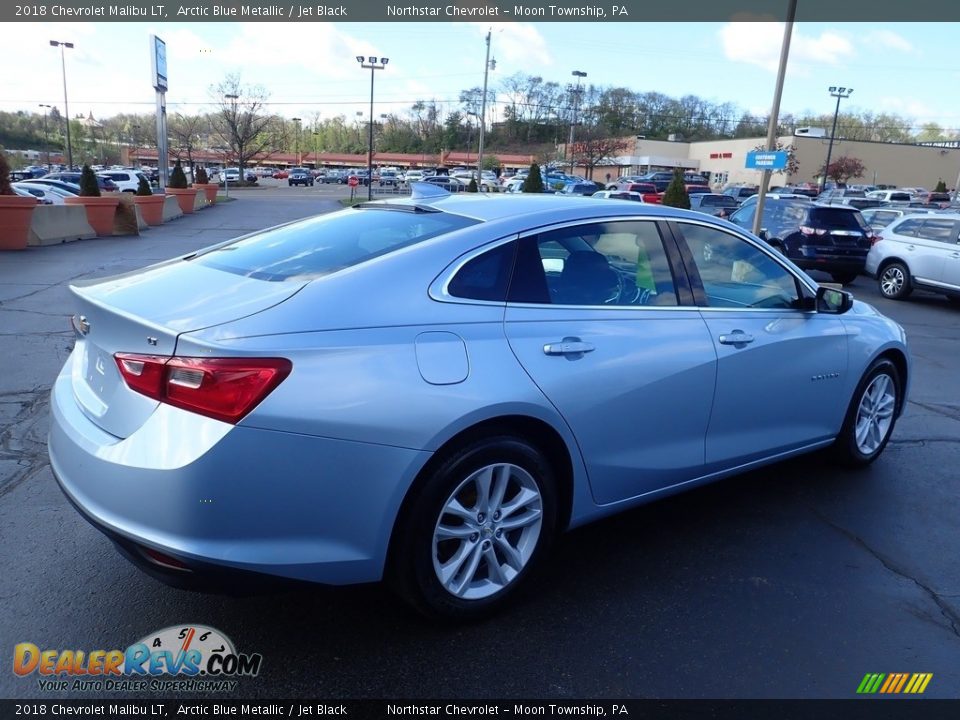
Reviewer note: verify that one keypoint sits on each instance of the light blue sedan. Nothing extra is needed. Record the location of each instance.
(427, 390)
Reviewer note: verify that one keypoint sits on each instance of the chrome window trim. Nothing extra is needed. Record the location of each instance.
(439, 288)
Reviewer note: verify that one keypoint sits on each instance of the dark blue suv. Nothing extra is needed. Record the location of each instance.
(831, 238)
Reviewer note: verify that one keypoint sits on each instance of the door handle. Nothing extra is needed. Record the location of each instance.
(737, 337)
(911, 247)
(955, 255)
(568, 346)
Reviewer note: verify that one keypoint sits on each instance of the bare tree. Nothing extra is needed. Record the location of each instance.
(241, 119)
(186, 132)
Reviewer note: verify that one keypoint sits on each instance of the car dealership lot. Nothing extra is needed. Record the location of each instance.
(792, 581)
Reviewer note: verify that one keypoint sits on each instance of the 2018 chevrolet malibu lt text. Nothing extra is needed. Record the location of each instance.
(427, 390)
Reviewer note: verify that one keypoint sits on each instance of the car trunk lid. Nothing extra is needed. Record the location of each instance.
(144, 313)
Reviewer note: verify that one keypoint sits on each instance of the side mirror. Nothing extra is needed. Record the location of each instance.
(763, 233)
(832, 301)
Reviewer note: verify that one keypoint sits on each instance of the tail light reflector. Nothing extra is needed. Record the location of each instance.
(221, 388)
(807, 230)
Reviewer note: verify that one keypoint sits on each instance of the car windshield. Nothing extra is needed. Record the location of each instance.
(322, 245)
(837, 218)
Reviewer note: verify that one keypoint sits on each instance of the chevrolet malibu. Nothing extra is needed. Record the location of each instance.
(428, 390)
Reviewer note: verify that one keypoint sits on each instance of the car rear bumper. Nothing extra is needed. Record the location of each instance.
(231, 500)
(811, 258)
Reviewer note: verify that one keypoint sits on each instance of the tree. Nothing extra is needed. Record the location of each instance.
(186, 131)
(676, 194)
(941, 186)
(843, 169)
(89, 187)
(472, 187)
(178, 179)
(534, 181)
(596, 148)
(242, 121)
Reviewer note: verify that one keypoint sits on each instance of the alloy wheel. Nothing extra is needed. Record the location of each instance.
(875, 414)
(487, 531)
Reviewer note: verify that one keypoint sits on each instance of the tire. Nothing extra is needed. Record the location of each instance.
(844, 278)
(495, 561)
(894, 281)
(871, 416)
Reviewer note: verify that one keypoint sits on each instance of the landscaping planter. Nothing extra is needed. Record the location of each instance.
(209, 191)
(151, 206)
(100, 212)
(186, 197)
(15, 215)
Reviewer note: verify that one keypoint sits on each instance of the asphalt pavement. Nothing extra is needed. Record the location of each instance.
(792, 581)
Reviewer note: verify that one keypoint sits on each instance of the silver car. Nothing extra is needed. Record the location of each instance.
(918, 251)
(427, 390)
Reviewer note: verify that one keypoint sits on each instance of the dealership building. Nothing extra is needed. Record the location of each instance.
(724, 161)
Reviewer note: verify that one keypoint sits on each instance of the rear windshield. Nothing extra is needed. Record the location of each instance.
(837, 218)
(900, 197)
(719, 201)
(322, 245)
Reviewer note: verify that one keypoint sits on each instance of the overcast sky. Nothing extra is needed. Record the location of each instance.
(907, 68)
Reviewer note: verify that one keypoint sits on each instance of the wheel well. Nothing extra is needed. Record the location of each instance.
(899, 362)
(534, 431)
(886, 262)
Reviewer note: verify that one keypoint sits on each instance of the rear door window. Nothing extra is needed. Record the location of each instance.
(940, 230)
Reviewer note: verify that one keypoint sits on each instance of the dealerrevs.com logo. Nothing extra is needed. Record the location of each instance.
(178, 658)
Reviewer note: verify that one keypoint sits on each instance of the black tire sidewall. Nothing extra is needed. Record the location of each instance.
(846, 445)
(413, 570)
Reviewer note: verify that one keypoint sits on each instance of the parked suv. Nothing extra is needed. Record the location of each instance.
(831, 238)
(918, 251)
(741, 192)
(125, 180)
(299, 176)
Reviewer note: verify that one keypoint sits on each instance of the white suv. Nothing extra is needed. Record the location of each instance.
(125, 180)
(918, 251)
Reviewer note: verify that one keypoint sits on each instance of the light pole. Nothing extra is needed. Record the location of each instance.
(233, 129)
(296, 139)
(46, 139)
(316, 149)
(839, 93)
(66, 109)
(573, 120)
(487, 67)
(372, 63)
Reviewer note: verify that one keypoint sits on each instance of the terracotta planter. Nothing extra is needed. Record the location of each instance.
(209, 190)
(15, 215)
(186, 197)
(100, 212)
(151, 206)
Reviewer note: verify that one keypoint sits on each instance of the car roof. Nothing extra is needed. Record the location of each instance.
(488, 208)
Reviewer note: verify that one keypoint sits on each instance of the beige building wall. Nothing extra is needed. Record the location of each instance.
(886, 163)
(724, 160)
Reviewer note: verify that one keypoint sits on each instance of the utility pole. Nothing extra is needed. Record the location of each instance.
(487, 66)
(573, 120)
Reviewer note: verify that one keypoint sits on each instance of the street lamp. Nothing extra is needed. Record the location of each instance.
(573, 120)
(46, 139)
(296, 140)
(372, 63)
(316, 149)
(66, 109)
(839, 93)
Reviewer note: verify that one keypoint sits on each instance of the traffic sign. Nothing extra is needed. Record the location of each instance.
(353, 181)
(766, 160)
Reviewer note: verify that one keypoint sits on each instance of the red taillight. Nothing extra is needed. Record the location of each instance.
(807, 230)
(222, 388)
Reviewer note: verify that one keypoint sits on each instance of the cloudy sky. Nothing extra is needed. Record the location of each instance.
(307, 68)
